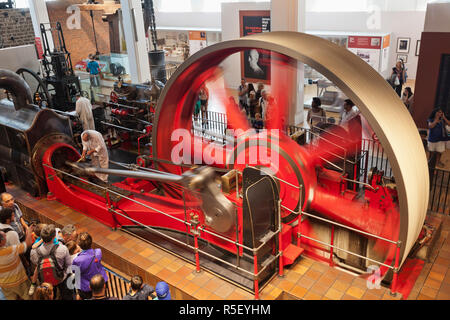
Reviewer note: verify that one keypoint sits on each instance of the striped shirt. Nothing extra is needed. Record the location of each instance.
(12, 272)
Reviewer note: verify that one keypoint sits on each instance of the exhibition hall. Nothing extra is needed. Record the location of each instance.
(236, 151)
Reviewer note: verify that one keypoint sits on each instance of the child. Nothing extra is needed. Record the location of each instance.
(258, 124)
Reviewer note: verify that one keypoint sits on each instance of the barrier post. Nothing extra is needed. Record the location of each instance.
(255, 262)
(395, 277)
(331, 248)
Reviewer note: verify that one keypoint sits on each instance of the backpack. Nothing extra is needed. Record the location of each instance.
(48, 267)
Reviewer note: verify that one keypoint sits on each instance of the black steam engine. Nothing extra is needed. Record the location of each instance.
(60, 79)
(26, 131)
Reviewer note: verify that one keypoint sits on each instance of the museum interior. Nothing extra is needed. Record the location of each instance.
(224, 150)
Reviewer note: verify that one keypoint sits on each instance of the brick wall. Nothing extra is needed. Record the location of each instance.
(16, 28)
(80, 42)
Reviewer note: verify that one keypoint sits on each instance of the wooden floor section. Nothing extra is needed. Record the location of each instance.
(306, 279)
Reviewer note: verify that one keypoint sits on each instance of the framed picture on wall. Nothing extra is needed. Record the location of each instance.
(255, 63)
(403, 57)
(403, 45)
(417, 47)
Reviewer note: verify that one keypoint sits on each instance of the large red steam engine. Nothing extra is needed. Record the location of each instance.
(249, 207)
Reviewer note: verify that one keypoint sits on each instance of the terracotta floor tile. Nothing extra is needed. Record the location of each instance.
(155, 257)
(347, 297)
(442, 261)
(432, 293)
(436, 276)
(224, 291)
(318, 266)
(313, 274)
(236, 296)
(146, 252)
(443, 296)
(128, 255)
(298, 291)
(191, 288)
(293, 276)
(424, 297)
(300, 269)
(327, 280)
(202, 294)
(286, 285)
(377, 292)
(163, 274)
(340, 285)
(214, 297)
(306, 282)
(174, 266)
(307, 262)
(370, 296)
(184, 271)
(128, 244)
(334, 294)
(174, 279)
(445, 288)
(154, 269)
(346, 277)
(213, 284)
(276, 292)
(432, 284)
(360, 283)
(201, 278)
(319, 289)
(312, 296)
(113, 236)
(165, 261)
(355, 292)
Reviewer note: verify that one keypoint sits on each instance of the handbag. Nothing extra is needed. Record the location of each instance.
(396, 81)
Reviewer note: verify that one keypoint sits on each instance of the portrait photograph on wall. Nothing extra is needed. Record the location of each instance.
(403, 45)
(402, 57)
(255, 63)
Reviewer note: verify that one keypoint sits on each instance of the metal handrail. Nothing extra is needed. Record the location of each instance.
(349, 252)
(201, 228)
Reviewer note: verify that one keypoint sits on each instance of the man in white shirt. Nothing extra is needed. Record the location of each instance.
(94, 146)
(350, 111)
(263, 103)
(83, 108)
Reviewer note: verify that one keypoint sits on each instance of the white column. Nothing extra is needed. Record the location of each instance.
(39, 14)
(289, 15)
(133, 25)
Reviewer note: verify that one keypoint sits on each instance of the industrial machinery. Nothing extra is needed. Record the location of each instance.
(59, 77)
(25, 132)
(130, 113)
(248, 208)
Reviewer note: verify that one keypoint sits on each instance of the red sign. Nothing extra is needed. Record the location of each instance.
(364, 42)
(39, 50)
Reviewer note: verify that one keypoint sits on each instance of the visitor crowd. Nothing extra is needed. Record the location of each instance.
(41, 262)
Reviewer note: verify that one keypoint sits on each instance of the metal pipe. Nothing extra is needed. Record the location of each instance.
(136, 174)
(120, 127)
(255, 264)
(17, 86)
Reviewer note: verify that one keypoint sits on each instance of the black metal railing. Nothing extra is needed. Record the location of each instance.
(439, 191)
